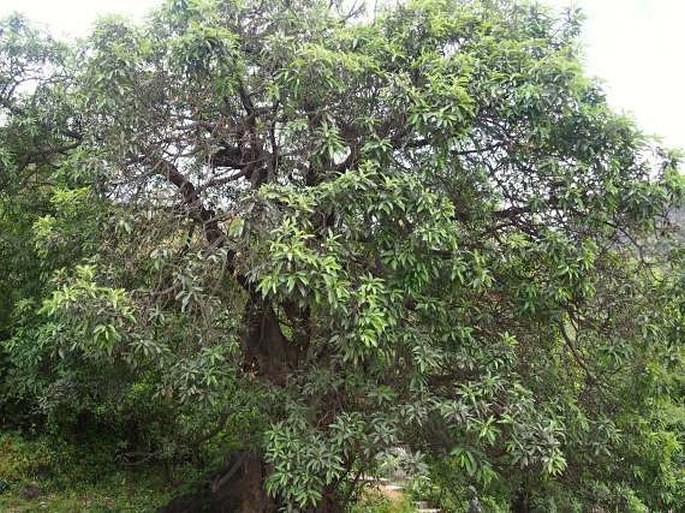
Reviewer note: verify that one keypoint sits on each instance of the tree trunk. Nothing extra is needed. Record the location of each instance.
(253, 496)
(331, 502)
(238, 488)
(266, 348)
(520, 502)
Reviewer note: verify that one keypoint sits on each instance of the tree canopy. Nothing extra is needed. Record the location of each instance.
(285, 236)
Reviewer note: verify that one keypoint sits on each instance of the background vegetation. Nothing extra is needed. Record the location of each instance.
(253, 247)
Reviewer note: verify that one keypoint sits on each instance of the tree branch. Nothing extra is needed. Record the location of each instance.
(576, 356)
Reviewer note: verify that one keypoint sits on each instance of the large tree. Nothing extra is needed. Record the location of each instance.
(306, 235)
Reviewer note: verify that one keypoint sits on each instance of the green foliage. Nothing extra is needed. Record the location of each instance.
(315, 236)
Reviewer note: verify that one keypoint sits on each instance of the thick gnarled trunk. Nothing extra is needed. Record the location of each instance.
(267, 351)
(238, 488)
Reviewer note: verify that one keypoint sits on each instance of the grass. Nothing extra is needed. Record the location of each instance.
(75, 479)
(375, 501)
(122, 492)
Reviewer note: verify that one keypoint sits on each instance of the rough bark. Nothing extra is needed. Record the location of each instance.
(238, 488)
(266, 348)
(520, 502)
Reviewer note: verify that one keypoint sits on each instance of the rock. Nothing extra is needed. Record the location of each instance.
(29, 492)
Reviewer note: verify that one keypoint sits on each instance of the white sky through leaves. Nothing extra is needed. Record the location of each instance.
(636, 46)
